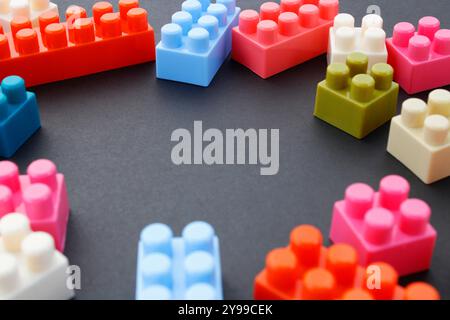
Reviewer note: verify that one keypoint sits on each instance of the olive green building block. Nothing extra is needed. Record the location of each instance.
(354, 101)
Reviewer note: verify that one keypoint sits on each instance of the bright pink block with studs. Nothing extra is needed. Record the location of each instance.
(282, 36)
(386, 225)
(41, 194)
(421, 59)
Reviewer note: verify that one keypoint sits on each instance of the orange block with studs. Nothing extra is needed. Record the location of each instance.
(80, 46)
(306, 270)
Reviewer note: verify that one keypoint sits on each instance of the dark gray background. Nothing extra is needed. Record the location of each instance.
(110, 135)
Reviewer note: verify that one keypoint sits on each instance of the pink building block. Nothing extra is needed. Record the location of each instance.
(421, 59)
(41, 194)
(385, 225)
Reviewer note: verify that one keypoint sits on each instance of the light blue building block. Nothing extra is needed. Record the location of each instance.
(185, 268)
(19, 115)
(197, 42)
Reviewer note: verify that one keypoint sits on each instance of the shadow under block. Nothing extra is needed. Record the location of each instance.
(19, 115)
(183, 268)
(354, 101)
(419, 137)
(41, 194)
(369, 39)
(385, 225)
(421, 59)
(81, 46)
(197, 42)
(306, 270)
(30, 267)
(282, 36)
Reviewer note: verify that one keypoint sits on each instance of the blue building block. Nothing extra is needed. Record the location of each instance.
(19, 115)
(197, 42)
(185, 268)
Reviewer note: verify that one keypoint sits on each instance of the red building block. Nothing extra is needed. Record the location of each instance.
(80, 46)
(305, 270)
(41, 194)
(282, 36)
(421, 59)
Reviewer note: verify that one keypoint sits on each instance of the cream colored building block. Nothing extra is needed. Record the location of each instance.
(31, 9)
(369, 39)
(419, 137)
(30, 266)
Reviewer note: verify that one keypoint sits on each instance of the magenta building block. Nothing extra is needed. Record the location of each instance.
(421, 59)
(386, 225)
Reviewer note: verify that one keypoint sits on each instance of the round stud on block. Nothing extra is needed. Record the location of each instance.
(381, 280)
(393, 191)
(157, 270)
(362, 88)
(248, 21)
(5, 52)
(38, 201)
(184, 20)
(73, 13)
(267, 32)
(13, 88)
(414, 112)
(38, 249)
(428, 26)
(306, 243)
(356, 294)
(345, 39)
(199, 268)
(290, 5)
(9, 172)
(6, 200)
(111, 25)
(137, 20)
(125, 6)
(309, 16)
(19, 8)
(378, 226)
(171, 35)
(374, 40)
(194, 8)
(27, 42)
(441, 43)
(210, 24)
(357, 63)
(198, 40)
(46, 19)
(371, 21)
(157, 237)
(282, 268)
(198, 235)
(419, 48)
(403, 31)
(38, 5)
(220, 12)
(383, 74)
(230, 4)
(100, 8)
(328, 9)
(436, 129)
(83, 31)
(318, 284)
(9, 272)
(358, 200)
(19, 23)
(43, 171)
(344, 20)
(156, 292)
(414, 216)
(55, 36)
(342, 262)
(439, 102)
(14, 227)
(288, 23)
(421, 291)
(337, 76)
(269, 11)
(201, 291)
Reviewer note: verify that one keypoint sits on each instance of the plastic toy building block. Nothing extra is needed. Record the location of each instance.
(30, 267)
(419, 137)
(41, 194)
(386, 225)
(19, 115)
(306, 270)
(421, 59)
(354, 101)
(185, 268)
(57, 51)
(370, 39)
(282, 36)
(197, 42)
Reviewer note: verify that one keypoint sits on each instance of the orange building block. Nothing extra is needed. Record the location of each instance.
(306, 270)
(80, 46)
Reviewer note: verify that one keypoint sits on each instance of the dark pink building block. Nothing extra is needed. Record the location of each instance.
(421, 59)
(385, 225)
(41, 194)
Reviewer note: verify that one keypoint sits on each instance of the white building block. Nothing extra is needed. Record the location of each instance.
(419, 137)
(369, 39)
(32, 9)
(30, 267)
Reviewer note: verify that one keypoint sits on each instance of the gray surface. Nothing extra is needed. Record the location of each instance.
(110, 134)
